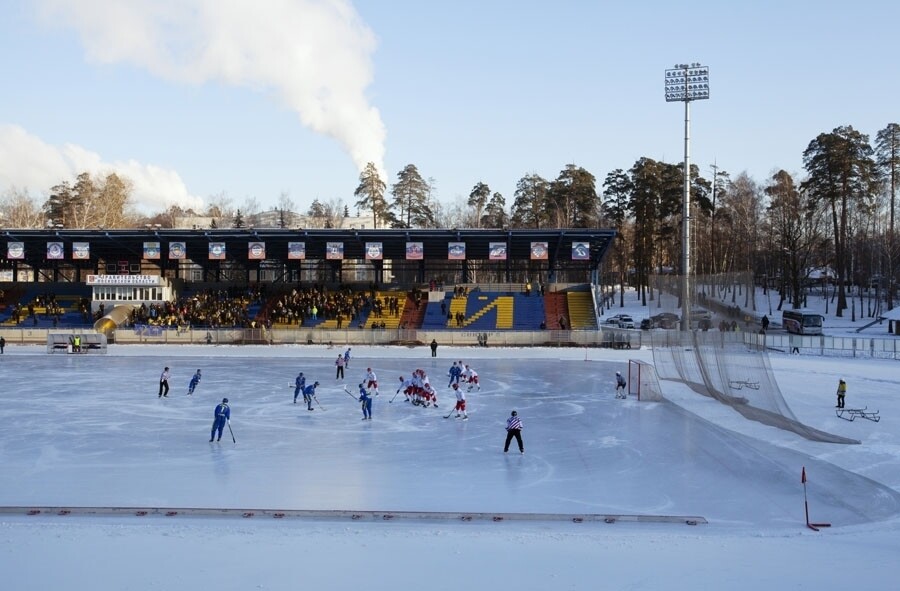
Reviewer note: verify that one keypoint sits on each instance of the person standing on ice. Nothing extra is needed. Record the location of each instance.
(470, 376)
(299, 385)
(371, 380)
(407, 386)
(620, 385)
(308, 393)
(365, 402)
(221, 415)
(454, 373)
(841, 392)
(347, 358)
(195, 379)
(164, 383)
(514, 428)
(460, 402)
(339, 365)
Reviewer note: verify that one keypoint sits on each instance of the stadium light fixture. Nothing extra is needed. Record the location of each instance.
(686, 83)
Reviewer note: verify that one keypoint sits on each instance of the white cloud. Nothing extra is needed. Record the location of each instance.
(314, 55)
(27, 162)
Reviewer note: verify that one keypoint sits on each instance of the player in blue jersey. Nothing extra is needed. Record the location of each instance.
(221, 415)
(365, 402)
(195, 379)
(308, 393)
(299, 384)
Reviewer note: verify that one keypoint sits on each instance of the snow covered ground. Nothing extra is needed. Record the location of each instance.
(91, 431)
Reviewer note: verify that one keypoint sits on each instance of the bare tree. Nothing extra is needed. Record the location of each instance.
(19, 210)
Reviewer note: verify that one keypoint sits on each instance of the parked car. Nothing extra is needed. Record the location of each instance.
(624, 320)
(661, 320)
(700, 314)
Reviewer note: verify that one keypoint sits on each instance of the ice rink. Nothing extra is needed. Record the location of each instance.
(90, 430)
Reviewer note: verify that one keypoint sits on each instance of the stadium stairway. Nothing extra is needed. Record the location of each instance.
(555, 307)
(413, 317)
(581, 309)
(528, 312)
(433, 317)
(389, 320)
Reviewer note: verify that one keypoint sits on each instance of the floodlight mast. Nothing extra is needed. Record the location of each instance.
(686, 83)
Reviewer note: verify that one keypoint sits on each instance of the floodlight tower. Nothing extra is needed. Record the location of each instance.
(686, 83)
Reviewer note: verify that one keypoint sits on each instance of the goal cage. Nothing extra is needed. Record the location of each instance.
(643, 382)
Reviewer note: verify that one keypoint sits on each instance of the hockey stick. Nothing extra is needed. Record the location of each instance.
(392, 399)
(233, 440)
(349, 394)
(319, 404)
(451, 412)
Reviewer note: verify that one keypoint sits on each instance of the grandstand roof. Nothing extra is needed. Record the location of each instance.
(112, 245)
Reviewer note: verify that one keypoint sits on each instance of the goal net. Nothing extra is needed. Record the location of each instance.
(642, 381)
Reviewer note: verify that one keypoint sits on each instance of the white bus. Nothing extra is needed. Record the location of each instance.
(802, 321)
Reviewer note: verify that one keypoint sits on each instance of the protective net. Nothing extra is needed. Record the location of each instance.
(723, 366)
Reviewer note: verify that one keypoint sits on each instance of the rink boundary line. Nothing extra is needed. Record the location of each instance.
(339, 514)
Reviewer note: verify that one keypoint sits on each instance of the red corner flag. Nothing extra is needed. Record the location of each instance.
(803, 475)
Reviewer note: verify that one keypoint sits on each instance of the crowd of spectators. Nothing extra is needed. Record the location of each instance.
(46, 304)
(302, 304)
(209, 308)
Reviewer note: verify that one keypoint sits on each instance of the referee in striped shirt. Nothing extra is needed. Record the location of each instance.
(514, 429)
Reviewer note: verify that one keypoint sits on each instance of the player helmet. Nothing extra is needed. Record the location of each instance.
(455, 386)
(514, 413)
(224, 401)
(618, 373)
(316, 384)
(368, 369)
(401, 378)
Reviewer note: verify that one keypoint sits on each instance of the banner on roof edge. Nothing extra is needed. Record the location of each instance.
(334, 251)
(177, 250)
(81, 251)
(581, 251)
(497, 251)
(539, 251)
(15, 250)
(217, 251)
(456, 251)
(55, 251)
(415, 251)
(151, 250)
(256, 251)
(374, 251)
(296, 250)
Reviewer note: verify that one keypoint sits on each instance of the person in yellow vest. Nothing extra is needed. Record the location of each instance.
(841, 392)
(76, 344)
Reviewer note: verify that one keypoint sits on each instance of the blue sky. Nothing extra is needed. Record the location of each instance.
(195, 98)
